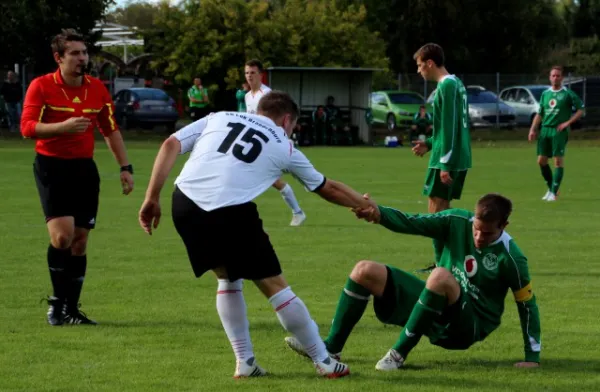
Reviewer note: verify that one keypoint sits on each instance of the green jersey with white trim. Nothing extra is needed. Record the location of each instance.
(556, 106)
(450, 143)
(485, 275)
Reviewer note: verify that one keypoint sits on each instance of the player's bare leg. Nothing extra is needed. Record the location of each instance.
(546, 174)
(298, 216)
(436, 204)
(231, 308)
(295, 318)
(556, 178)
(441, 290)
(61, 231)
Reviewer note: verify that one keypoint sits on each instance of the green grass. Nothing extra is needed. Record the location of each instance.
(159, 330)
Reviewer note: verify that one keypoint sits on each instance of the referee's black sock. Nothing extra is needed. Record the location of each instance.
(76, 268)
(57, 264)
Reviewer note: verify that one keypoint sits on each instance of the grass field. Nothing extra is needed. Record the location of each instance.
(159, 330)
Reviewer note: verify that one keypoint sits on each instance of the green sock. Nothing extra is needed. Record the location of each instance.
(350, 308)
(558, 176)
(547, 174)
(429, 306)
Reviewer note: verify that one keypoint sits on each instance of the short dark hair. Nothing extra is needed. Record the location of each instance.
(59, 42)
(558, 68)
(276, 104)
(255, 63)
(493, 208)
(431, 51)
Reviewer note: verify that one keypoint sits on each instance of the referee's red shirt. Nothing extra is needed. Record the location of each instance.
(50, 100)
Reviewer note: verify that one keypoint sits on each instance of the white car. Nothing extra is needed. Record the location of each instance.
(525, 100)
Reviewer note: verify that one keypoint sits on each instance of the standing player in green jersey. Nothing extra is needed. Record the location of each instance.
(555, 115)
(462, 300)
(450, 143)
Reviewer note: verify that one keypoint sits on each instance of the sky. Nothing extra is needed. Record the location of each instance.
(121, 3)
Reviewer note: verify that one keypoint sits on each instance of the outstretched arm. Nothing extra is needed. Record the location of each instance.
(180, 142)
(149, 215)
(427, 225)
(529, 315)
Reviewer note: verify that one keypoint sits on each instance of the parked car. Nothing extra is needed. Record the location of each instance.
(476, 86)
(145, 107)
(525, 100)
(485, 109)
(395, 108)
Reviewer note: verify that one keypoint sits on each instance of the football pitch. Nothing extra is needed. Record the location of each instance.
(158, 326)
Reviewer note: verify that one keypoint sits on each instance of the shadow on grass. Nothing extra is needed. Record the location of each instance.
(551, 365)
(187, 322)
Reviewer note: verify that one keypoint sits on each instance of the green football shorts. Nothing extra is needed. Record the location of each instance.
(435, 188)
(457, 328)
(552, 143)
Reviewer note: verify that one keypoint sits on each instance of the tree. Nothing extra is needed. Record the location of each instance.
(27, 28)
(213, 38)
(478, 36)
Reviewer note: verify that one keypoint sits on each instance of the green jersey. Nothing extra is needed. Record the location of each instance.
(484, 274)
(199, 94)
(556, 106)
(240, 96)
(450, 143)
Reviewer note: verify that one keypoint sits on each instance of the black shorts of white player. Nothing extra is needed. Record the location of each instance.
(235, 157)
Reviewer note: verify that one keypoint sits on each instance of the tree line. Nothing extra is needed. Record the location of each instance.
(214, 38)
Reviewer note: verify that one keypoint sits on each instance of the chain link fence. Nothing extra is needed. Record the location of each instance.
(519, 91)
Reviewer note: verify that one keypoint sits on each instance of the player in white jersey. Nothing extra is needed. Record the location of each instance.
(253, 71)
(235, 157)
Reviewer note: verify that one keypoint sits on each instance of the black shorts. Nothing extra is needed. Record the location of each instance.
(197, 113)
(68, 187)
(229, 237)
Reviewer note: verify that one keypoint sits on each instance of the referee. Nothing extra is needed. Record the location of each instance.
(61, 111)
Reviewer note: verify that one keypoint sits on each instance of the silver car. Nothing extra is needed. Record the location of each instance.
(486, 109)
(525, 100)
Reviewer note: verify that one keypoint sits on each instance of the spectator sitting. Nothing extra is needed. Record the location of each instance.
(421, 124)
(319, 118)
(332, 110)
(338, 128)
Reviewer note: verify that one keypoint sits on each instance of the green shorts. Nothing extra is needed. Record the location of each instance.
(435, 188)
(457, 328)
(552, 143)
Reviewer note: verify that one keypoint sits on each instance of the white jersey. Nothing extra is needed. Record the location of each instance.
(235, 157)
(252, 99)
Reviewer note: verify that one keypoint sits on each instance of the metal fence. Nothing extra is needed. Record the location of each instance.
(587, 87)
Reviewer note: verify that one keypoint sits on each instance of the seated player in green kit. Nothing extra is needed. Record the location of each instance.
(460, 303)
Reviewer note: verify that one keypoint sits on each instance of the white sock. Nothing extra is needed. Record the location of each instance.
(294, 316)
(232, 311)
(290, 199)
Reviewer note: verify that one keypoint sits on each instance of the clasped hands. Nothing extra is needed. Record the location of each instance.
(370, 213)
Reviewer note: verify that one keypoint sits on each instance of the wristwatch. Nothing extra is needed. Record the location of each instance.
(128, 168)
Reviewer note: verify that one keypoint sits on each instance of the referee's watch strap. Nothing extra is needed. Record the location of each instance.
(128, 168)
